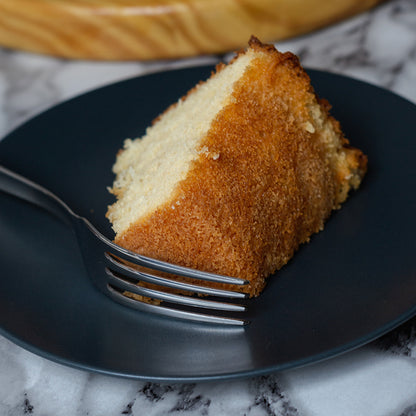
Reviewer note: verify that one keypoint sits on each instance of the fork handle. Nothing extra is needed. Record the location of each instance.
(16, 185)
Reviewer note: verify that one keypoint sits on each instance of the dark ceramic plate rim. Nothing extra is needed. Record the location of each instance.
(398, 319)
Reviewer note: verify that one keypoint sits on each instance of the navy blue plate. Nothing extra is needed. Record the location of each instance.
(352, 283)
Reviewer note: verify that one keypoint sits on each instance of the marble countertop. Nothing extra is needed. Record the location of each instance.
(378, 379)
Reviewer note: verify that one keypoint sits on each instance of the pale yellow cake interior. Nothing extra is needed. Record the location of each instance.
(149, 171)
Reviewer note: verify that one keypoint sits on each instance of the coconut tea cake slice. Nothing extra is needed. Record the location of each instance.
(238, 173)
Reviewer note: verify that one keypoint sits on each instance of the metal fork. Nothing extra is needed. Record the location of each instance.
(114, 277)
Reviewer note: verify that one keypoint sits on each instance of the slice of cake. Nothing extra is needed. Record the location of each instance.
(238, 173)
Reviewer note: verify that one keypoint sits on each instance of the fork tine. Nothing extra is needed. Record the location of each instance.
(171, 297)
(174, 313)
(158, 280)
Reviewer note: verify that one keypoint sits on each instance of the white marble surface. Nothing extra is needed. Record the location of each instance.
(378, 379)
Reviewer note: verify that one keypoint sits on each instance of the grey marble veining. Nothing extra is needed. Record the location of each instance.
(366, 381)
(379, 379)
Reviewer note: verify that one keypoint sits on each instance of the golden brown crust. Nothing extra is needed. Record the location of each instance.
(245, 212)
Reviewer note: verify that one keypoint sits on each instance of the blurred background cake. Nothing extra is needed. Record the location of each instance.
(155, 29)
